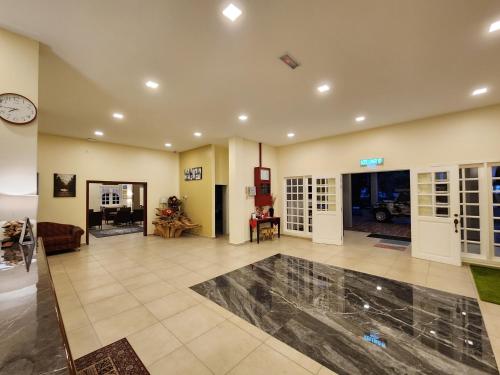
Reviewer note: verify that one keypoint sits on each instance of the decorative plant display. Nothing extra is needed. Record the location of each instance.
(11, 232)
(171, 221)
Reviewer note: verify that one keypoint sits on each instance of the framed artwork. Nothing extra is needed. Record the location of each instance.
(64, 185)
(193, 174)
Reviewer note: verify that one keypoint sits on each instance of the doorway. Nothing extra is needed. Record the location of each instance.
(220, 210)
(115, 208)
(378, 203)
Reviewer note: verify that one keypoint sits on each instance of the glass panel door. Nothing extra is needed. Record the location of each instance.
(495, 202)
(298, 204)
(470, 210)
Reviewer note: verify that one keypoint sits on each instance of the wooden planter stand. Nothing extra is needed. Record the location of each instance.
(174, 228)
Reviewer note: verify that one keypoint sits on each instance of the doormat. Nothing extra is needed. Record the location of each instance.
(487, 282)
(117, 358)
(392, 247)
(118, 231)
(388, 237)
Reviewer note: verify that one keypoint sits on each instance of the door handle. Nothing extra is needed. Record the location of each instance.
(456, 225)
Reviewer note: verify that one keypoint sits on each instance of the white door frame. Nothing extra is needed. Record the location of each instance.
(328, 218)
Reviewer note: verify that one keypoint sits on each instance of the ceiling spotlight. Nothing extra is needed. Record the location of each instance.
(152, 84)
(324, 88)
(290, 135)
(243, 117)
(118, 116)
(232, 12)
(197, 134)
(480, 91)
(99, 133)
(168, 144)
(360, 118)
(495, 26)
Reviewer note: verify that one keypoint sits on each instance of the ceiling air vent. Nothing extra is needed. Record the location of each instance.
(290, 61)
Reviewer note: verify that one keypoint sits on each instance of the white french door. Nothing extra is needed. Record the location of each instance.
(435, 214)
(327, 210)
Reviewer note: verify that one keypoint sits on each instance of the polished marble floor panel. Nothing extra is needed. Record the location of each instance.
(356, 323)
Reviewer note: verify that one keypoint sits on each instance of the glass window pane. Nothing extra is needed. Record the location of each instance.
(472, 197)
(441, 188)
(472, 223)
(473, 248)
(471, 172)
(474, 235)
(472, 185)
(442, 199)
(472, 210)
(497, 251)
(441, 176)
(442, 211)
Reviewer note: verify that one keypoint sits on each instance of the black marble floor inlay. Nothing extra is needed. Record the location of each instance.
(355, 323)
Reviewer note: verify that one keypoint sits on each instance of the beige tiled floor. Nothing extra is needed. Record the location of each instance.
(137, 287)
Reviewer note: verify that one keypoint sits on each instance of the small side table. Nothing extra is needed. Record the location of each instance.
(272, 220)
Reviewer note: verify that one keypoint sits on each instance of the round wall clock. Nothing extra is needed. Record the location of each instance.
(17, 109)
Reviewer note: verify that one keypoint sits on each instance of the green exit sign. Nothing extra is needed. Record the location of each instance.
(372, 162)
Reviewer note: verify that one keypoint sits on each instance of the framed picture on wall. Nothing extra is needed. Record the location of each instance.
(64, 185)
(193, 174)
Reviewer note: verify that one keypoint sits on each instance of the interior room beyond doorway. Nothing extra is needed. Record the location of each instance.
(115, 208)
(378, 203)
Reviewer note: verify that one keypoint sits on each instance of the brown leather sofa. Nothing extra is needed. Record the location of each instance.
(59, 236)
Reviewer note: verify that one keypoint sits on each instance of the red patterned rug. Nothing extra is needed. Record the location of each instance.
(117, 358)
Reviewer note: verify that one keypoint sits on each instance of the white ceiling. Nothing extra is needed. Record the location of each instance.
(391, 60)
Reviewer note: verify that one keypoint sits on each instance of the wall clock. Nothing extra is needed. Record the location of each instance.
(17, 109)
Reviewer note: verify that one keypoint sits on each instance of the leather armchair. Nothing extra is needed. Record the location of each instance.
(59, 236)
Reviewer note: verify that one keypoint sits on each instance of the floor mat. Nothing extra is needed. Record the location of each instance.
(99, 233)
(487, 282)
(392, 247)
(388, 237)
(118, 358)
(355, 323)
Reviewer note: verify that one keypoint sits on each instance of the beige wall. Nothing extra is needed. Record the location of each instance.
(100, 161)
(199, 195)
(458, 138)
(243, 158)
(18, 150)
(221, 165)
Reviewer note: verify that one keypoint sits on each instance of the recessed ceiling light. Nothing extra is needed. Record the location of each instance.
(232, 12)
(480, 91)
(495, 26)
(243, 117)
(152, 84)
(324, 88)
(168, 144)
(197, 134)
(118, 116)
(290, 135)
(99, 133)
(360, 118)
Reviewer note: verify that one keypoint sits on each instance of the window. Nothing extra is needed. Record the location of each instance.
(495, 202)
(298, 204)
(326, 194)
(110, 198)
(470, 233)
(433, 194)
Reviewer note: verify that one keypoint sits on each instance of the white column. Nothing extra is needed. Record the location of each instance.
(238, 220)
